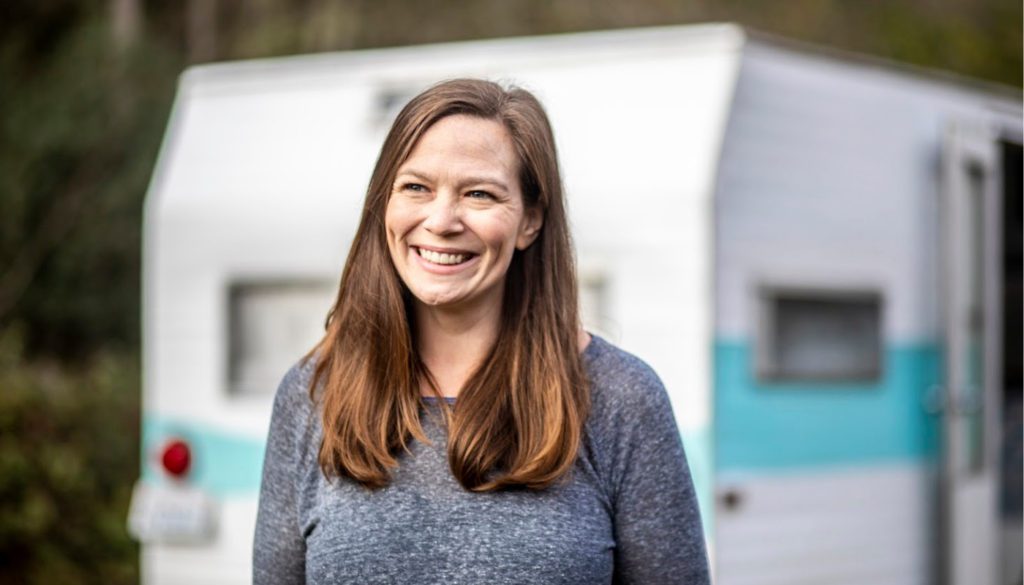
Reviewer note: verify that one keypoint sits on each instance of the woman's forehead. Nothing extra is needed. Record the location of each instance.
(466, 145)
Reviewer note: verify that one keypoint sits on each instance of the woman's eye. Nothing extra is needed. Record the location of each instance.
(479, 195)
(414, 187)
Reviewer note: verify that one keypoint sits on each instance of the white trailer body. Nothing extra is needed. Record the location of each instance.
(721, 189)
(830, 188)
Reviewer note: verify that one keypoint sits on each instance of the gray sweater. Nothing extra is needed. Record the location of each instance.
(627, 515)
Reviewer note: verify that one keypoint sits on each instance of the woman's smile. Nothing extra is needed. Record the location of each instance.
(443, 260)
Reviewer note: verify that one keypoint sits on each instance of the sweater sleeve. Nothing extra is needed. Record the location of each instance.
(658, 531)
(279, 548)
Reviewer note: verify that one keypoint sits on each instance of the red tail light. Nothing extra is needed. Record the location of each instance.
(176, 458)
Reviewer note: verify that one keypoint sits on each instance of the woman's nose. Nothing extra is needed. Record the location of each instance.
(443, 216)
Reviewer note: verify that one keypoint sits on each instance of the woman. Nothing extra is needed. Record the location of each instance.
(455, 424)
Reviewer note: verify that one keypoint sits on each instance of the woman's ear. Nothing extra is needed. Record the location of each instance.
(533, 219)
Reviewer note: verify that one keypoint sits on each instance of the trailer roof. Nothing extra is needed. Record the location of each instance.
(940, 77)
(385, 64)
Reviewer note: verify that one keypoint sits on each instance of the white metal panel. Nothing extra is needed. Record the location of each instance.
(828, 160)
(227, 561)
(829, 527)
(829, 179)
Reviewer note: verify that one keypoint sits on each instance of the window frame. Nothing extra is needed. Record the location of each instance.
(235, 386)
(767, 368)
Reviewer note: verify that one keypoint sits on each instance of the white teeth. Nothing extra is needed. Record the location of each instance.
(439, 258)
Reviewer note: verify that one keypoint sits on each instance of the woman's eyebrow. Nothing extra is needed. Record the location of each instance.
(483, 180)
(415, 173)
(464, 181)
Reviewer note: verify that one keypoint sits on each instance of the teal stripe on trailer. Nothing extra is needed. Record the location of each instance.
(223, 463)
(769, 426)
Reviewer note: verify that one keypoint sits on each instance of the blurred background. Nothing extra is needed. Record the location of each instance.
(86, 89)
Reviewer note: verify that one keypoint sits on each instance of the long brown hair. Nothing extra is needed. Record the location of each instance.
(520, 416)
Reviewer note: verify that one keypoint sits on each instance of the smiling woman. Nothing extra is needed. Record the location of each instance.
(455, 424)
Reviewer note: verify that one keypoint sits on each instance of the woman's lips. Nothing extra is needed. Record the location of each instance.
(443, 260)
(447, 258)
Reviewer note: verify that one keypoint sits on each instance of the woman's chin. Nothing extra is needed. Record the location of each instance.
(439, 299)
(472, 296)
(455, 300)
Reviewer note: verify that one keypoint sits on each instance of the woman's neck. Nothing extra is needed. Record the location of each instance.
(453, 343)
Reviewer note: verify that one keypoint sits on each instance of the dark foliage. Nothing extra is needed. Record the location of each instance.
(68, 454)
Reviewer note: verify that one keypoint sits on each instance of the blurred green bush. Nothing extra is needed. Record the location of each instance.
(69, 455)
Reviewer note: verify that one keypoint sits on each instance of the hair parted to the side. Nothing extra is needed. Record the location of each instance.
(520, 417)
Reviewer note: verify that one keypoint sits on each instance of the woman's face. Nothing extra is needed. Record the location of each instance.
(456, 214)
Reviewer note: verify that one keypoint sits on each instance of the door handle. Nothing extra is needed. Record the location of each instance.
(936, 401)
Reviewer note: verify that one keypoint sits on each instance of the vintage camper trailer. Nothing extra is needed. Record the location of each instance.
(816, 252)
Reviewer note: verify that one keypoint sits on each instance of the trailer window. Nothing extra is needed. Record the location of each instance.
(829, 336)
(272, 325)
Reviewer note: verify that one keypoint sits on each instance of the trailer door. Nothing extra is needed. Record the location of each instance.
(969, 239)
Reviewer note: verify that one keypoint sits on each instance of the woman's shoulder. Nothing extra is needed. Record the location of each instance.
(292, 399)
(631, 422)
(623, 387)
(294, 420)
